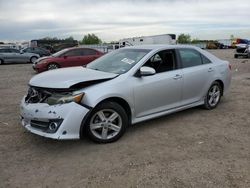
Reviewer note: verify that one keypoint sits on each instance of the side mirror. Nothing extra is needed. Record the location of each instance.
(147, 71)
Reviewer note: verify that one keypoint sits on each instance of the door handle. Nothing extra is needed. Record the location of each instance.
(210, 69)
(177, 76)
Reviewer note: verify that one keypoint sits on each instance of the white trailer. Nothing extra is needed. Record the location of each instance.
(154, 39)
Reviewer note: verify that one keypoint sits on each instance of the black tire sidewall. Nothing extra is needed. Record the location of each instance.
(206, 103)
(107, 105)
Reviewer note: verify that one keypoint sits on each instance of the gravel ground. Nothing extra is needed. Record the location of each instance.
(192, 148)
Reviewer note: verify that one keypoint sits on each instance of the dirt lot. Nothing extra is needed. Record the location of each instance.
(193, 148)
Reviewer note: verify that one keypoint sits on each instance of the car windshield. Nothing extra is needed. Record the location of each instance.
(58, 54)
(118, 61)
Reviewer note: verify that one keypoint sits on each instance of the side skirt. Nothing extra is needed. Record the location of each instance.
(163, 113)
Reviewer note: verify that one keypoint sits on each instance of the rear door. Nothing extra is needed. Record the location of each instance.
(10, 55)
(197, 73)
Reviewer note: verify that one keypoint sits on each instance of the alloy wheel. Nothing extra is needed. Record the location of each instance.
(214, 95)
(52, 66)
(105, 124)
(33, 59)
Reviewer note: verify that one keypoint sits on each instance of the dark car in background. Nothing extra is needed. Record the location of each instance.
(67, 58)
(37, 50)
(242, 50)
(9, 55)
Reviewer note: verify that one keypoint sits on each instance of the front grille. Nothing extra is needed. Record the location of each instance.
(240, 50)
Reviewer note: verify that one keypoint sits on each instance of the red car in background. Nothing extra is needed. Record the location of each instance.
(67, 58)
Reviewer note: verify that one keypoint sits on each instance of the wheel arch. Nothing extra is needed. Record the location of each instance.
(221, 84)
(1, 59)
(122, 102)
(33, 57)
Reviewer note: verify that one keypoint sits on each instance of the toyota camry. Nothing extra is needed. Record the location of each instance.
(123, 87)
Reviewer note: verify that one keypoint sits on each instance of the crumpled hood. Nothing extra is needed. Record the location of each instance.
(66, 77)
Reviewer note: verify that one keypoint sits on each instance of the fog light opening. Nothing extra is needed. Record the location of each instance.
(53, 126)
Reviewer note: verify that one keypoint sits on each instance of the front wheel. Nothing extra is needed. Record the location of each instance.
(53, 66)
(107, 123)
(1, 62)
(213, 96)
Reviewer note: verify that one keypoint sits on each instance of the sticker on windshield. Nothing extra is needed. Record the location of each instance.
(129, 61)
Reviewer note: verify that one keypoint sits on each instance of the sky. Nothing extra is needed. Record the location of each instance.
(111, 20)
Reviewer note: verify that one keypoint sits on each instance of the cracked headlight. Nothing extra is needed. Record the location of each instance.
(62, 99)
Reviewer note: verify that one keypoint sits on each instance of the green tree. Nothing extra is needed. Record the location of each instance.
(195, 41)
(69, 38)
(50, 38)
(91, 39)
(184, 39)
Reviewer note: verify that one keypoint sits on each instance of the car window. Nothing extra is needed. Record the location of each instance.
(118, 61)
(76, 52)
(14, 51)
(205, 60)
(8, 51)
(89, 52)
(2, 50)
(162, 61)
(27, 50)
(190, 58)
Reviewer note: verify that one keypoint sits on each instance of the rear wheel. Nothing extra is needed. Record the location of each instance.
(107, 123)
(33, 59)
(1, 62)
(53, 66)
(213, 96)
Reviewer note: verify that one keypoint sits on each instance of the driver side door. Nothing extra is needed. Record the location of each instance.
(161, 91)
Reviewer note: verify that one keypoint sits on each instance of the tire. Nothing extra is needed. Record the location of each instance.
(1, 62)
(213, 96)
(33, 59)
(52, 66)
(235, 56)
(100, 128)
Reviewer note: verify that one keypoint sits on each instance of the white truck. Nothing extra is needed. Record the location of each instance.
(154, 39)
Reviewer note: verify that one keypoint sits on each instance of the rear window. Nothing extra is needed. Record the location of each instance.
(89, 52)
(190, 58)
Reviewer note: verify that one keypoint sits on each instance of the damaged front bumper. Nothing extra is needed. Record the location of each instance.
(61, 121)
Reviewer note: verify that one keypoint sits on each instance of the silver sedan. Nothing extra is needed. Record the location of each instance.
(123, 87)
(9, 55)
